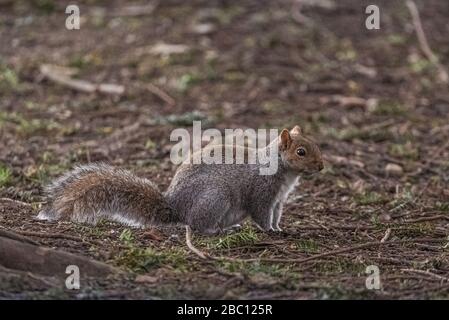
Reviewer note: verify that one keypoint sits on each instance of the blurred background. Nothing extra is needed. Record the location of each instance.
(376, 101)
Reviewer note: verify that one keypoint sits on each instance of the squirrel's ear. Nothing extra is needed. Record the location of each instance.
(285, 139)
(296, 130)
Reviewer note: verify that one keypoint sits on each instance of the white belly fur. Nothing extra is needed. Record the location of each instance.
(287, 187)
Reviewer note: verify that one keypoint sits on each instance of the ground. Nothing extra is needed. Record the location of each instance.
(245, 64)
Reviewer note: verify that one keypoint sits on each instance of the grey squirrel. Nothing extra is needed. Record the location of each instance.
(209, 198)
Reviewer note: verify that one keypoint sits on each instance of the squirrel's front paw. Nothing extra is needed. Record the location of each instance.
(270, 229)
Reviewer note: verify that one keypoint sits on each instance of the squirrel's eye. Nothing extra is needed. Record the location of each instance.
(301, 152)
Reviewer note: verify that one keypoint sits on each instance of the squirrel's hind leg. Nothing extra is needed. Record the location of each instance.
(208, 212)
(263, 219)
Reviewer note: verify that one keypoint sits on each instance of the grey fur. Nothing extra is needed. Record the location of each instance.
(209, 198)
(91, 192)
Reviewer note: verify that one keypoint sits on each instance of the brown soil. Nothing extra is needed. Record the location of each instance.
(255, 68)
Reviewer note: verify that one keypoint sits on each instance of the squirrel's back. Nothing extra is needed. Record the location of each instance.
(91, 192)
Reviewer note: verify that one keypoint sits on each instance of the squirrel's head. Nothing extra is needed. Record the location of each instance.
(299, 153)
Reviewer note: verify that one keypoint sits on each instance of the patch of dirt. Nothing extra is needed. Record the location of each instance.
(245, 64)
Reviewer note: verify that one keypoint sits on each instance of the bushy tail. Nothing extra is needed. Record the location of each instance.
(91, 192)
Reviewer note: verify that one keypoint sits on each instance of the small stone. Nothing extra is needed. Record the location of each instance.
(145, 279)
(167, 49)
(203, 28)
(384, 217)
(394, 169)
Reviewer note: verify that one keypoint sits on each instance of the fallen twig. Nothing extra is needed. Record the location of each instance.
(386, 236)
(345, 101)
(56, 236)
(424, 44)
(427, 273)
(345, 250)
(318, 222)
(63, 76)
(161, 94)
(297, 14)
(55, 74)
(311, 258)
(192, 248)
(21, 203)
(424, 219)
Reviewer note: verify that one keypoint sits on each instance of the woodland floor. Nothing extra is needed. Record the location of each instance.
(245, 64)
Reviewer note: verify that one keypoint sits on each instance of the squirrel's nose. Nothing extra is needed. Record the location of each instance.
(320, 166)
